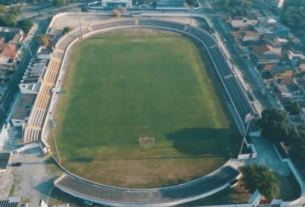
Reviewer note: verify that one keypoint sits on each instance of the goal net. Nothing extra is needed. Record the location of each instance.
(137, 40)
(146, 140)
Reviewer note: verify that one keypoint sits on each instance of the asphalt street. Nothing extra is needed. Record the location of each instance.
(13, 89)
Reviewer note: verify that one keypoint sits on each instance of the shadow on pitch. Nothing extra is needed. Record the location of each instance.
(81, 159)
(201, 141)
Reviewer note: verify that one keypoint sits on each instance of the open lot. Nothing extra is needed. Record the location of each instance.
(128, 84)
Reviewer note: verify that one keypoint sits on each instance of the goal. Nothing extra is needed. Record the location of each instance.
(146, 141)
(137, 40)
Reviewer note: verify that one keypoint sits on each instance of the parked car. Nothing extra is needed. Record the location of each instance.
(16, 164)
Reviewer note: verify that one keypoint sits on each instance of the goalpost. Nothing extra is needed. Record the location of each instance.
(146, 141)
(138, 40)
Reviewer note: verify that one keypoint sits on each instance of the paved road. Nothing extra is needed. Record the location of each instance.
(32, 181)
(15, 80)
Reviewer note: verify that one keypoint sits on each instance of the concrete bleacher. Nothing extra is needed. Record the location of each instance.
(32, 130)
(108, 195)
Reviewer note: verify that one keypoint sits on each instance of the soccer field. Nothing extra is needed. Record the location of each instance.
(118, 90)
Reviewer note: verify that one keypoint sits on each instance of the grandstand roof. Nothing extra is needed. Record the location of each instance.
(155, 196)
(24, 106)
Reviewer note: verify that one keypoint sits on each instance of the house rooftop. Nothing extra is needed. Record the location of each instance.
(267, 66)
(288, 85)
(244, 17)
(266, 57)
(250, 34)
(24, 106)
(271, 21)
(265, 48)
(257, 14)
(296, 55)
(278, 69)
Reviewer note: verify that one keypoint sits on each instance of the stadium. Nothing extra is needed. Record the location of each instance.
(158, 139)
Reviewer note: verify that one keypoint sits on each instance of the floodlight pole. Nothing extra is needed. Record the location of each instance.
(80, 29)
(191, 20)
(52, 126)
(248, 120)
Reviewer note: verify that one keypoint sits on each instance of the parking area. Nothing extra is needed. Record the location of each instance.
(32, 181)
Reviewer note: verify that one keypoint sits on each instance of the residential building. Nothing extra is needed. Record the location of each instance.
(10, 47)
(297, 59)
(33, 77)
(281, 30)
(274, 41)
(116, 3)
(242, 21)
(250, 36)
(29, 87)
(263, 30)
(265, 54)
(281, 71)
(287, 87)
(271, 3)
(258, 15)
(44, 53)
(23, 109)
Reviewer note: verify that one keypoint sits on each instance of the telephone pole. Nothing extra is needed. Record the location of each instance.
(80, 29)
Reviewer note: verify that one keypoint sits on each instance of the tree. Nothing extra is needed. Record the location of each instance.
(225, 3)
(294, 108)
(274, 124)
(3, 8)
(8, 20)
(191, 2)
(66, 30)
(15, 10)
(6, 80)
(258, 177)
(116, 13)
(25, 24)
(60, 2)
(43, 39)
(298, 148)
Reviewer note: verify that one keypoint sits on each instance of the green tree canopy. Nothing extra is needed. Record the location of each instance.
(258, 177)
(25, 24)
(66, 30)
(274, 124)
(3, 8)
(60, 2)
(294, 108)
(15, 10)
(298, 149)
(43, 39)
(191, 2)
(8, 20)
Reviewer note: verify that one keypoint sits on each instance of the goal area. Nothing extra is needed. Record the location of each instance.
(146, 141)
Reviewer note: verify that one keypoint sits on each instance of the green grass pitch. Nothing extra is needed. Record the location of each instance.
(118, 91)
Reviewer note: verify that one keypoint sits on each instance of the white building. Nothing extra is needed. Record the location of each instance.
(29, 87)
(44, 53)
(271, 3)
(23, 109)
(242, 21)
(117, 3)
